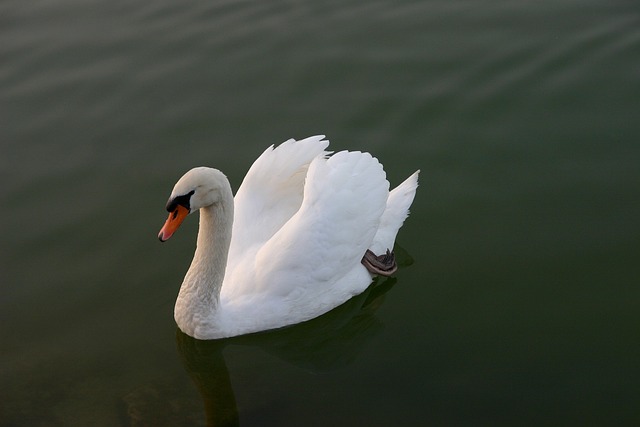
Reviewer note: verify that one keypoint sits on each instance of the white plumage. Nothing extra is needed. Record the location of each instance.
(288, 248)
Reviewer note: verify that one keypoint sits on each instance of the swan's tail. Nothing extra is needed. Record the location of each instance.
(397, 210)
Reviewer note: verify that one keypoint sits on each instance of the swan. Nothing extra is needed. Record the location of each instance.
(306, 231)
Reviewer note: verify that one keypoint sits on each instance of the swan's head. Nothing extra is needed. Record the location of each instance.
(198, 188)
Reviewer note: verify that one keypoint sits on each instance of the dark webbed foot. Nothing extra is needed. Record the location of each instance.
(384, 265)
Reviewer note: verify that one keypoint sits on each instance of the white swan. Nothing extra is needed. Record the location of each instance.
(290, 246)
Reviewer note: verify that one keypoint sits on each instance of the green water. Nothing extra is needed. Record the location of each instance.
(520, 306)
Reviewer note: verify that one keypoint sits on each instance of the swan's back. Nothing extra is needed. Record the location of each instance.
(302, 224)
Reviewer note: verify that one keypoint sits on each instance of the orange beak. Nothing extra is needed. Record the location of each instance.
(173, 222)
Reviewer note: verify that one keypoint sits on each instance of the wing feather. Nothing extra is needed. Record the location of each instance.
(271, 192)
(344, 199)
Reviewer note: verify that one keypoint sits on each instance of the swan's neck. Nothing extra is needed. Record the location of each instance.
(197, 306)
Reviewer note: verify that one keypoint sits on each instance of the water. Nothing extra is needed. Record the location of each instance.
(520, 306)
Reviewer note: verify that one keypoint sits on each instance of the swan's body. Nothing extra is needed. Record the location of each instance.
(289, 247)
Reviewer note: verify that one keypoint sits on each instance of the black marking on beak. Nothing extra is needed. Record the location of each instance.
(184, 201)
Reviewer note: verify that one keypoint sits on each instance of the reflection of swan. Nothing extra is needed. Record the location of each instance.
(325, 343)
(305, 226)
(206, 366)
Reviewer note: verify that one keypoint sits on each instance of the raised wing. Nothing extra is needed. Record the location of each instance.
(344, 199)
(271, 193)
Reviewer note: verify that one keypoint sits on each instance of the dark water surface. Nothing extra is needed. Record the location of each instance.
(520, 307)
